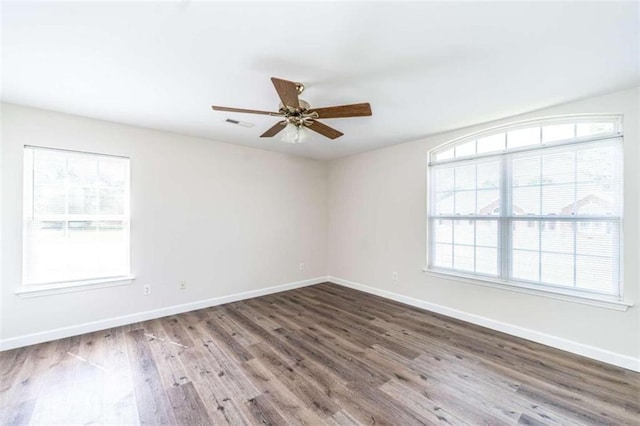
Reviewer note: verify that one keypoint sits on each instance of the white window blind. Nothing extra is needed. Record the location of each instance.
(76, 216)
(537, 206)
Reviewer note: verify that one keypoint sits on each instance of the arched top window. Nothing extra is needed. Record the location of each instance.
(535, 204)
(530, 134)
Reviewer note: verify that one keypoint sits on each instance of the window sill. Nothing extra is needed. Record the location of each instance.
(59, 288)
(559, 295)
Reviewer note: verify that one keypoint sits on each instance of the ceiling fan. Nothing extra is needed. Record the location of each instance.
(298, 113)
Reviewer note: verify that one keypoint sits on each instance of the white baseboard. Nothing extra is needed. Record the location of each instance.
(89, 327)
(603, 355)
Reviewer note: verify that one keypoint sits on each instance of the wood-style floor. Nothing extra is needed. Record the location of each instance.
(317, 355)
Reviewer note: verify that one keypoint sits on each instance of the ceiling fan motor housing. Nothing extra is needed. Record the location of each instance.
(298, 116)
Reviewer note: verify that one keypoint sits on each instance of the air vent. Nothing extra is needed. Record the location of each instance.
(239, 123)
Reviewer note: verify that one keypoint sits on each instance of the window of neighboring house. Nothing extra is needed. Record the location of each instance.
(76, 217)
(537, 205)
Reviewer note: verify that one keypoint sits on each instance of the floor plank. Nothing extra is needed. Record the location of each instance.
(152, 402)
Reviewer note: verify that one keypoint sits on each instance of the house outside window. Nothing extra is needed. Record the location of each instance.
(537, 204)
(75, 217)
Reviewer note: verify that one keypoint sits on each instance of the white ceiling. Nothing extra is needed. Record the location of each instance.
(424, 67)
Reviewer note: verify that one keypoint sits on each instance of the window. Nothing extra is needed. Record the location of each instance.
(537, 205)
(76, 217)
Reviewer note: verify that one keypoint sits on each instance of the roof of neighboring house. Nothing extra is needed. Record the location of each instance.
(487, 199)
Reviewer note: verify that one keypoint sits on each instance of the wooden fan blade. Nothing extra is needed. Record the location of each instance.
(342, 111)
(287, 91)
(277, 128)
(247, 111)
(324, 130)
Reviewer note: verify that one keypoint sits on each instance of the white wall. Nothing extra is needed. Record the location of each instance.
(230, 219)
(377, 224)
(227, 219)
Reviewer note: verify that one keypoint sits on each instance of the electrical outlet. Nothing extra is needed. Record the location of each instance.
(182, 285)
(147, 289)
(394, 276)
(301, 266)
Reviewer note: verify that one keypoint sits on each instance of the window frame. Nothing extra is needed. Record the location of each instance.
(70, 285)
(503, 244)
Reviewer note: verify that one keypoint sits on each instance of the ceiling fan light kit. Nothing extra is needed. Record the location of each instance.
(297, 114)
(294, 134)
